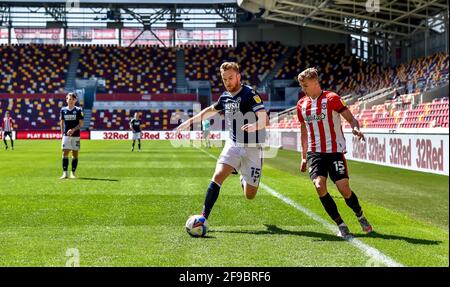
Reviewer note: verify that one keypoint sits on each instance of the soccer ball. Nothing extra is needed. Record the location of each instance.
(196, 225)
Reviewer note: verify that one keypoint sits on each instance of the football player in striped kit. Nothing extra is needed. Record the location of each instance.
(7, 127)
(323, 146)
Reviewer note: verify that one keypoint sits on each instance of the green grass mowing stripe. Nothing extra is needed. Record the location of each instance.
(421, 195)
(115, 230)
(371, 252)
(119, 231)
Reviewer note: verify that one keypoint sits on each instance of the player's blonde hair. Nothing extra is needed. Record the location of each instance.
(308, 74)
(229, 66)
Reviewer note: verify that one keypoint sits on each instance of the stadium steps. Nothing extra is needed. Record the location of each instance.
(270, 76)
(72, 70)
(87, 119)
(182, 84)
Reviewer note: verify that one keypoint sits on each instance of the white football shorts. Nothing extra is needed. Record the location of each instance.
(70, 143)
(246, 160)
(136, 136)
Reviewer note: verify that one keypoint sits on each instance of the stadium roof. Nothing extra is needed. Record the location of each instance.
(371, 18)
(131, 13)
(130, 2)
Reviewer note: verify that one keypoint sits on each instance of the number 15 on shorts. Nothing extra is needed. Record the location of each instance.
(339, 166)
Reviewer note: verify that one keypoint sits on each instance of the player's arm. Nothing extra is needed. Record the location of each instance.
(261, 123)
(61, 126)
(353, 123)
(204, 114)
(304, 141)
(78, 127)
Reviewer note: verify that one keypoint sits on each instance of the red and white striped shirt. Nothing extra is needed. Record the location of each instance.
(7, 124)
(323, 122)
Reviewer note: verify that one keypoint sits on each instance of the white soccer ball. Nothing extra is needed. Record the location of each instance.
(196, 225)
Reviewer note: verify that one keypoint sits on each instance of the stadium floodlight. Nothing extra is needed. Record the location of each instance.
(224, 25)
(174, 25)
(249, 5)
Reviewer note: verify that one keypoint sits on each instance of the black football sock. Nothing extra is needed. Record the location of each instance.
(65, 163)
(6, 144)
(353, 203)
(74, 164)
(132, 145)
(331, 208)
(12, 143)
(139, 144)
(211, 196)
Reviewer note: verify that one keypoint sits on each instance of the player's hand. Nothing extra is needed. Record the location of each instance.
(185, 126)
(70, 132)
(249, 128)
(303, 165)
(359, 134)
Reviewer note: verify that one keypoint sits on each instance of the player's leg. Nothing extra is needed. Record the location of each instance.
(228, 160)
(4, 140)
(66, 146)
(74, 163)
(11, 139)
(206, 135)
(65, 163)
(75, 142)
(139, 144)
(220, 174)
(132, 145)
(318, 173)
(251, 169)
(339, 174)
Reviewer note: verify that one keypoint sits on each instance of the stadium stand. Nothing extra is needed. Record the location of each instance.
(256, 59)
(138, 69)
(113, 119)
(33, 68)
(34, 113)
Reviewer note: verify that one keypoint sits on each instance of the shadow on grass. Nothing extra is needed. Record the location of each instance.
(273, 229)
(95, 178)
(375, 234)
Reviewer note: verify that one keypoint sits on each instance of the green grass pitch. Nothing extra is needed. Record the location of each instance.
(129, 209)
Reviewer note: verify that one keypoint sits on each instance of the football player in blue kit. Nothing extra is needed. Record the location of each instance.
(246, 120)
(71, 121)
(135, 126)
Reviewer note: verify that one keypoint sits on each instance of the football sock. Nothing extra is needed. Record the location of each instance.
(12, 143)
(353, 203)
(139, 144)
(4, 140)
(331, 208)
(65, 163)
(74, 164)
(211, 196)
(132, 145)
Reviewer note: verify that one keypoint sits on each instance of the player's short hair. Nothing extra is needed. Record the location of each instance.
(308, 74)
(229, 66)
(72, 95)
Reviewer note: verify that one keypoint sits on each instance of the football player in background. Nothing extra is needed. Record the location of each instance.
(7, 127)
(135, 126)
(71, 121)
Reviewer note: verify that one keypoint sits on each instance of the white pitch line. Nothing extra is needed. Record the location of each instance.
(376, 255)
